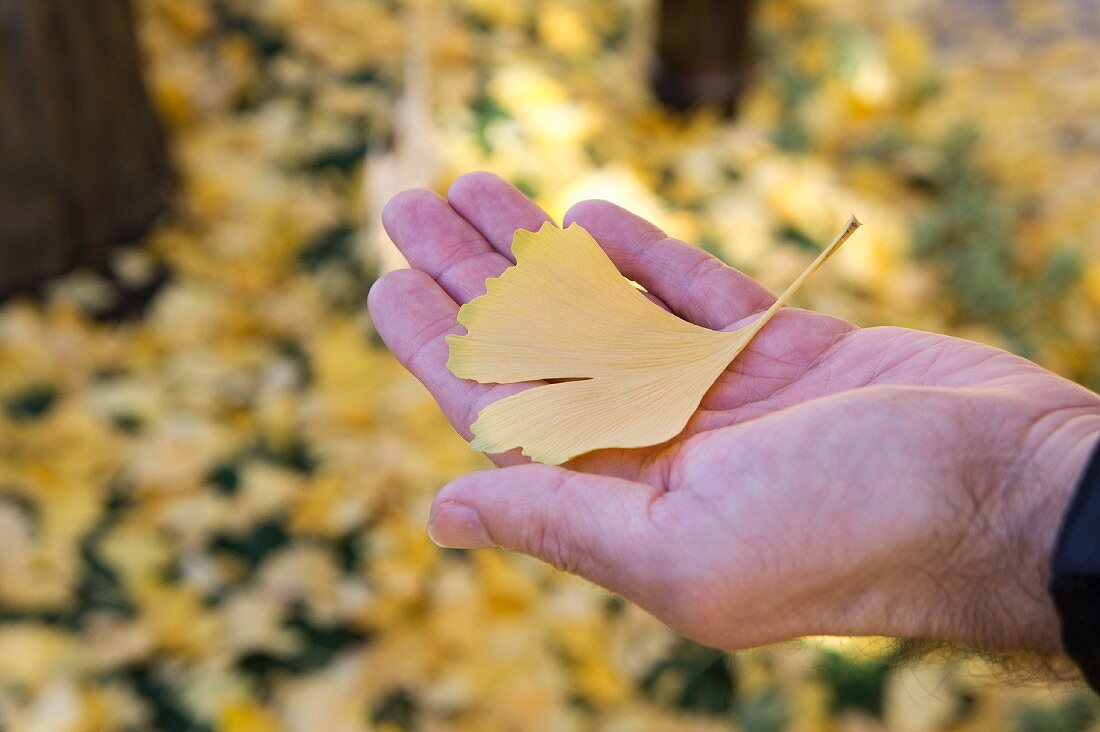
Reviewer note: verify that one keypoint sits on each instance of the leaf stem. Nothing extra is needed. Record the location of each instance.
(849, 229)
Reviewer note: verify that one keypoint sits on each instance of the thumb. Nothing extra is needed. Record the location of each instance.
(593, 525)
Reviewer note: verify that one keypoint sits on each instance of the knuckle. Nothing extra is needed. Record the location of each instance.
(708, 274)
(549, 543)
(553, 536)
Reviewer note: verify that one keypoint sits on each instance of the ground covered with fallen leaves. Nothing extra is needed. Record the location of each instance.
(212, 510)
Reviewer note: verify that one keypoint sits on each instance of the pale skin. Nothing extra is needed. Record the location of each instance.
(836, 480)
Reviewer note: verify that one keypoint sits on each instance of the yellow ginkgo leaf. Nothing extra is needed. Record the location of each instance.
(634, 373)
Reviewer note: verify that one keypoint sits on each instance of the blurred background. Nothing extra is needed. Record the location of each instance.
(214, 480)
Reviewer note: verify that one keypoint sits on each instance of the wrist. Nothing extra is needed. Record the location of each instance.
(999, 468)
(1038, 486)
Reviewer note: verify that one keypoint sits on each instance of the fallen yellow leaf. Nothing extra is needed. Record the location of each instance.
(634, 372)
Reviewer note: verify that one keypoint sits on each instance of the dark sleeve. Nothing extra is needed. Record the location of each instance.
(1075, 581)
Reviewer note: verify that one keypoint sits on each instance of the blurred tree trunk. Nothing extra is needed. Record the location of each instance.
(82, 154)
(704, 52)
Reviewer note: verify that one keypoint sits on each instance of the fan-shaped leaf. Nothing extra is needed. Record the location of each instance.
(635, 372)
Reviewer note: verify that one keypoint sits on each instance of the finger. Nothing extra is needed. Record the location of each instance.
(414, 317)
(596, 526)
(439, 242)
(694, 283)
(498, 209)
(495, 208)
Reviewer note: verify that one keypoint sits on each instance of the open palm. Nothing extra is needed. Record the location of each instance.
(824, 452)
(455, 245)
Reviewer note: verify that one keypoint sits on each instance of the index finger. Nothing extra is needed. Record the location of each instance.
(693, 283)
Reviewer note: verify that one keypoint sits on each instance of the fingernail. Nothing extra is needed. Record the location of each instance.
(454, 526)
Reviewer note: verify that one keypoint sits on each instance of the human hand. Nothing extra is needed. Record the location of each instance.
(835, 480)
